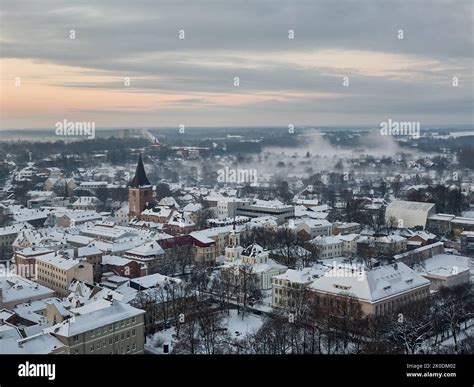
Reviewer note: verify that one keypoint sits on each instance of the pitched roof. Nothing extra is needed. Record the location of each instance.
(140, 178)
(371, 286)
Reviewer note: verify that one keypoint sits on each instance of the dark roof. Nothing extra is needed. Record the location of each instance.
(140, 178)
(182, 240)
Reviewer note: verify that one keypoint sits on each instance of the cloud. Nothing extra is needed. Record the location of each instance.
(298, 78)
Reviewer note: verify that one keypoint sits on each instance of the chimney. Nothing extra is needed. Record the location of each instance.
(1, 295)
(76, 252)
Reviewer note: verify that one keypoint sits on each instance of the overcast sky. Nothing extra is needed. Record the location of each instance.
(190, 81)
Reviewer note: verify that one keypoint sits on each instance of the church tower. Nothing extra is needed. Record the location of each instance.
(233, 251)
(140, 191)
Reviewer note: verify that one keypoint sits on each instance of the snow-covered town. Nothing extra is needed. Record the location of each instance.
(146, 255)
(271, 189)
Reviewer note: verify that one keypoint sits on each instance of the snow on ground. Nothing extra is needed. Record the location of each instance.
(238, 327)
(449, 341)
(155, 343)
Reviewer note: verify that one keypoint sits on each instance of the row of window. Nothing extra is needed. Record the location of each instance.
(54, 275)
(337, 246)
(52, 267)
(117, 325)
(117, 338)
(390, 306)
(50, 282)
(117, 351)
(123, 336)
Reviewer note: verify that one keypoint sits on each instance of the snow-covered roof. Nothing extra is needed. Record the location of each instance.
(463, 220)
(34, 251)
(180, 220)
(201, 237)
(115, 260)
(39, 344)
(153, 280)
(147, 249)
(407, 205)
(294, 251)
(192, 207)
(312, 223)
(443, 265)
(326, 240)
(16, 288)
(305, 276)
(109, 230)
(348, 237)
(390, 239)
(418, 250)
(161, 211)
(58, 261)
(83, 216)
(95, 315)
(262, 221)
(15, 229)
(269, 203)
(370, 286)
(79, 239)
(169, 201)
(32, 310)
(445, 217)
(424, 235)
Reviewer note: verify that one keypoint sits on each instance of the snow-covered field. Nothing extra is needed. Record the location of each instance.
(236, 326)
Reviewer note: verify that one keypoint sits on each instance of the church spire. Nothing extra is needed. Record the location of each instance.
(140, 178)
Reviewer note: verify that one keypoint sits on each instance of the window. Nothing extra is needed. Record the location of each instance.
(75, 338)
(133, 332)
(92, 348)
(110, 341)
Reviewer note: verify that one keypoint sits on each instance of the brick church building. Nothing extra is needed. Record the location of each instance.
(140, 191)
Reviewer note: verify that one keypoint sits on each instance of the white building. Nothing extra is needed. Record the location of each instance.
(86, 203)
(58, 272)
(258, 208)
(254, 257)
(16, 290)
(329, 246)
(408, 214)
(378, 291)
(286, 286)
(349, 243)
(445, 270)
(311, 228)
